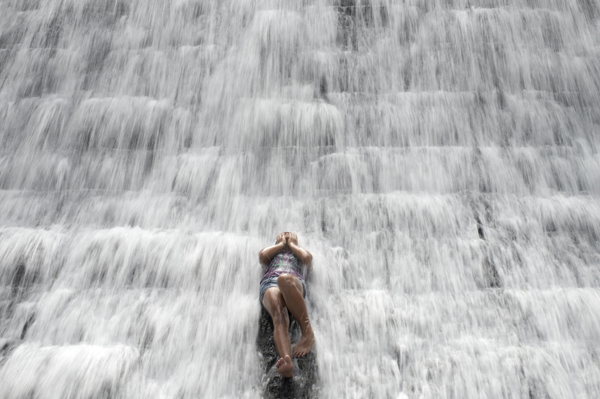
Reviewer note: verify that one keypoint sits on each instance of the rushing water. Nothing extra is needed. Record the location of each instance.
(438, 157)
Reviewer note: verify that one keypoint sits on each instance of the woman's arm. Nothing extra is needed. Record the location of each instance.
(266, 254)
(302, 254)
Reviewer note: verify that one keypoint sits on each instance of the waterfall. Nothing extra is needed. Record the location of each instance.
(439, 158)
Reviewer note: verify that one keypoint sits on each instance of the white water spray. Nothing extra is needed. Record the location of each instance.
(438, 158)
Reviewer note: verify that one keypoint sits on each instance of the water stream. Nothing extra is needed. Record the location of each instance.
(439, 158)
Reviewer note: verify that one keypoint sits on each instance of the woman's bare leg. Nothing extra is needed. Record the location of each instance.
(291, 289)
(274, 303)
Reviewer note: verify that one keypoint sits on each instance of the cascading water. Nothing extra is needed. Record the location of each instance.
(438, 157)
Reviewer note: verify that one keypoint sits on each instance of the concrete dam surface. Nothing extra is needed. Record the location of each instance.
(439, 159)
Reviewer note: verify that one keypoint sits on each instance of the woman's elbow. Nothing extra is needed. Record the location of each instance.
(263, 259)
(308, 260)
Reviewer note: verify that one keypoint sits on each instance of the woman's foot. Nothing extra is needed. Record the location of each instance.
(306, 343)
(285, 367)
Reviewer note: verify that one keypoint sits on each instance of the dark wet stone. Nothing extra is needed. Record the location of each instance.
(492, 275)
(479, 227)
(17, 280)
(6, 348)
(28, 323)
(304, 383)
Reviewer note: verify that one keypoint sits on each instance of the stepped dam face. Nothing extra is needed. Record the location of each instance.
(439, 158)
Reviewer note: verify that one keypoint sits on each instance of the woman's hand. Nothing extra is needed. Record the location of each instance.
(282, 237)
(293, 238)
